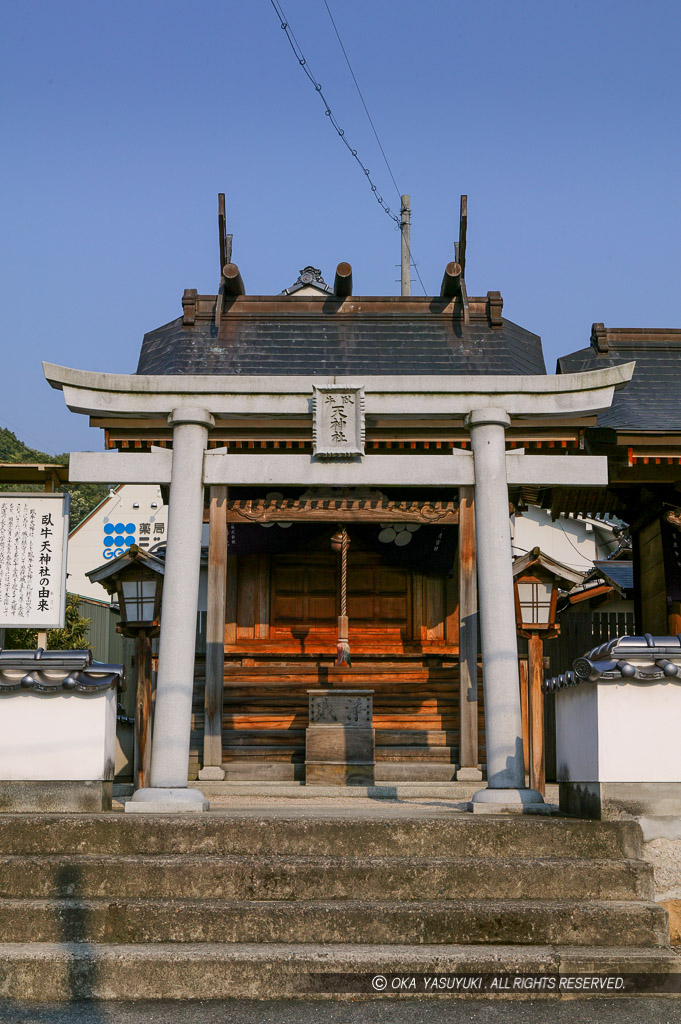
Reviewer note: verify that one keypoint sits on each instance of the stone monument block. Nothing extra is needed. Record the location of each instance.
(340, 741)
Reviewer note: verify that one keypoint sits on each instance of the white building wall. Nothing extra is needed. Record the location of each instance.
(574, 542)
(133, 513)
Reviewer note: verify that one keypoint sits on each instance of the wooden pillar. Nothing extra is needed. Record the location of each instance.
(215, 635)
(524, 710)
(535, 657)
(143, 705)
(468, 638)
(674, 618)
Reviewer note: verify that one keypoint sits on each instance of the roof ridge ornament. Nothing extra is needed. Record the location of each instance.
(309, 277)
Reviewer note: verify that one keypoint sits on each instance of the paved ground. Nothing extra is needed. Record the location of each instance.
(400, 1011)
(336, 806)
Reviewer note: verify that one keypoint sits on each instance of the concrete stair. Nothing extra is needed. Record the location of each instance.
(267, 904)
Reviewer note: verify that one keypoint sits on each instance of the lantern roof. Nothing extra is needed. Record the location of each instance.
(134, 557)
(536, 559)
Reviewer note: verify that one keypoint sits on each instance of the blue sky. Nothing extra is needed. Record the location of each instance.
(123, 120)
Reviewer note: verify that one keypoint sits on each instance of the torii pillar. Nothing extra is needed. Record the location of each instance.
(501, 685)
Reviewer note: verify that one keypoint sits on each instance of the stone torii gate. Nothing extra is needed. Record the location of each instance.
(486, 404)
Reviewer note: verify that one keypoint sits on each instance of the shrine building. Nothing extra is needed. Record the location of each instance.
(356, 459)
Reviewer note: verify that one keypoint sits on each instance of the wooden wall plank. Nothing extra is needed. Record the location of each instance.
(231, 598)
(262, 628)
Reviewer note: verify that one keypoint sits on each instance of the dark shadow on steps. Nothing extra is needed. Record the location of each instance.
(81, 968)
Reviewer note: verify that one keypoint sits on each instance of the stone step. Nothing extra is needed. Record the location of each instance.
(51, 972)
(463, 922)
(270, 877)
(289, 832)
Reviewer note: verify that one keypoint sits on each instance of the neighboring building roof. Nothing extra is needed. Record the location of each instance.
(618, 573)
(317, 336)
(650, 402)
(86, 519)
(33, 473)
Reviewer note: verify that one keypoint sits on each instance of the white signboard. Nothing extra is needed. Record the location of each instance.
(33, 543)
(338, 421)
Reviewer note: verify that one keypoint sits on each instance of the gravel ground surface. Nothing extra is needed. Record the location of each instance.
(401, 1011)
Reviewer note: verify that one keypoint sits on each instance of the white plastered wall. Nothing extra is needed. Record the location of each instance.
(574, 542)
(96, 540)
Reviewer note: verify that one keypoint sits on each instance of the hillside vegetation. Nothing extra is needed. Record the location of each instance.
(84, 497)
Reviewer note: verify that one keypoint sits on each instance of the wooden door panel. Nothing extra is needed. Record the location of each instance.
(321, 608)
(361, 609)
(288, 580)
(286, 608)
(392, 609)
(360, 579)
(391, 580)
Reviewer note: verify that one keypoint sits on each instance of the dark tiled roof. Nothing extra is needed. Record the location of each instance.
(652, 399)
(318, 344)
(620, 573)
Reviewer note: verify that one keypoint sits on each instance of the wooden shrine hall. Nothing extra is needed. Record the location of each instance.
(338, 443)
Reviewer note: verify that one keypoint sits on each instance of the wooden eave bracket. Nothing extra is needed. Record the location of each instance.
(495, 304)
(599, 337)
(674, 518)
(189, 306)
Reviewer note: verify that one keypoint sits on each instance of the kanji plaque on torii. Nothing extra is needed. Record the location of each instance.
(338, 421)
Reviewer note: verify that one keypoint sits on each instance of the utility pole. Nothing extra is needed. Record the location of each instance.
(405, 226)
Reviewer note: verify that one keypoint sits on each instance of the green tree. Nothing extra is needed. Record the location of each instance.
(84, 497)
(73, 637)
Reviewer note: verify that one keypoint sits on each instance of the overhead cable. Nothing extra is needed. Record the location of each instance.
(373, 128)
(327, 109)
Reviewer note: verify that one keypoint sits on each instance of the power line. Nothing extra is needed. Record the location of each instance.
(567, 537)
(366, 109)
(16, 430)
(295, 46)
(327, 109)
(412, 261)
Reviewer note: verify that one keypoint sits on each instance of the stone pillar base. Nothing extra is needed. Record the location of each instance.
(508, 801)
(468, 774)
(212, 773)
(167, 801)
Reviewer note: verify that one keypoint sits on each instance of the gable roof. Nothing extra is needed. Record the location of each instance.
(651, 400)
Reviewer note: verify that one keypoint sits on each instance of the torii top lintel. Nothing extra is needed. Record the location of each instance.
(565, 395)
